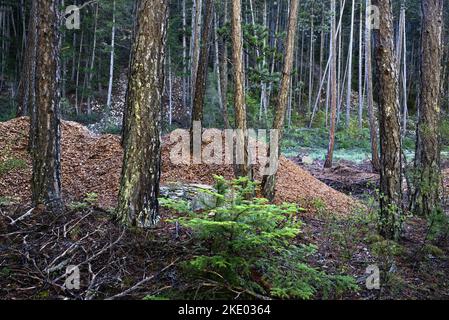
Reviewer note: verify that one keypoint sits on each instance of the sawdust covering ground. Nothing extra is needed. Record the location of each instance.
(92, 163)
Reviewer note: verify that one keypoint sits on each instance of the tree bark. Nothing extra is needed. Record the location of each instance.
(360, 93)
(224, 71)
(269, 182)
(244, 169)
(201, 76)
(333, 90)
(26, 90)
(349, 88)
(45, 127)
(111, 63)
(195, 51)
(389, 126)
(426, 199)
(375, 161)
(139, 185)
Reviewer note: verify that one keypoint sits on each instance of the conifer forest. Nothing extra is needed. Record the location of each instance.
(260, 151)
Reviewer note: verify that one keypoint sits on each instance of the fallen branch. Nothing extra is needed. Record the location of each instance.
(142, 282)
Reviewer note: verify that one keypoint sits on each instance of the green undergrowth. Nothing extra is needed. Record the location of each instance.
(248, 249)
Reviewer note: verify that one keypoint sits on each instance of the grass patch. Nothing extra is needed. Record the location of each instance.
(11, 165)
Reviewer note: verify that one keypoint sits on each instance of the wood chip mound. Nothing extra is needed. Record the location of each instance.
(92, 164)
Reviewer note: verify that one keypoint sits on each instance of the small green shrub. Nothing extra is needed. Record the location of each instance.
(90, 200)
(247, 246)
(438, 225)
(386, 249)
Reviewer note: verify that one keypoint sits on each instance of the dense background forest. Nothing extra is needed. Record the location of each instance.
(357, 89)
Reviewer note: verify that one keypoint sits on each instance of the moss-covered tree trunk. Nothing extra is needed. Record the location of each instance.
(427, 194)
(45, 124)
(139, 185)
(269, 182)
(389, 125)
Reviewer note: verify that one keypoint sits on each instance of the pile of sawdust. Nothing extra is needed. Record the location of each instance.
(92, 163)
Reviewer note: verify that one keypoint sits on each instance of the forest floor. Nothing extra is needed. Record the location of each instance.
(116, 263)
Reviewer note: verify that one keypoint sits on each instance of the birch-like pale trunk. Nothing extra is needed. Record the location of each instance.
(333, 90)
(349, 88)
(375, 161)
(360, 91)
(92, 62)
(111, 63)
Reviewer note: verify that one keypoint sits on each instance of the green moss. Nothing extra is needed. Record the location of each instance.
(433, 250)
(11, 165)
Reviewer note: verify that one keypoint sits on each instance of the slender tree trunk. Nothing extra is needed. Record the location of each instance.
(111, 63)
(339, 63)
(26, 92)
(361, 99)
(139, 185)
(269, 182)
(243, 169)
(426, 199)
(263, 95)
(221, 101)
(404, 82)
(375, 161)
(77, 107)
(196, 45)
(349, 88)
(275, 47)
(201, 76)
(311, 64)
(45, 129)
(333, 90)
(92, 62)
(389, 126)
(170, 90)
(224, 70)
(184, 54)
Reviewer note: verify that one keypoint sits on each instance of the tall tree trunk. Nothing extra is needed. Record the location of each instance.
(139, 185)
(269, 182)
(263, 94)
(26, 92)
(243, 169)
(375, 161)
(184, 54)
(349, 88)
(196, 44)
(404, 80)
(92, 62)
(339, 63)
(170, 90)
(311, 64)
(426, 199)
(111, 63)
(45, 127)
(333, 90)
(201, 76)
(77, 107)
(221, 101)
(389, 126)
(361, 99)
(224, 70)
